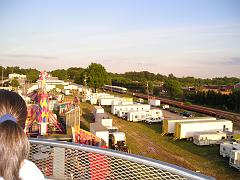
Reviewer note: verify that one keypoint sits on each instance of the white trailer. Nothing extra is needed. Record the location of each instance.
(122, 114)
(136, 116)
(227, 147)
(207, 138)
(100, 131)
(154, 113)
(187, 129)
(234, 159)
(169, 124)
(97, 110)
(130, 107)
(107, 101)
(154, 102)
(103, 119)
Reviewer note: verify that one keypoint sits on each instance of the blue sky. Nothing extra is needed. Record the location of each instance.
(184, 37)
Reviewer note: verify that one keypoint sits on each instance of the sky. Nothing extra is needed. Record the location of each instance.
(183, 37)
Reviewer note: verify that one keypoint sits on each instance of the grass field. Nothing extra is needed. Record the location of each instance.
(146, 140)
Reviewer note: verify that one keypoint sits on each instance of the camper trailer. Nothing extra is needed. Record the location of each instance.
(231, 150)
(187, 129)
(154, 102)
(207, 138)
(226, 147)
(154, 113)
(129, 107)
(136, 116)
(169, 124)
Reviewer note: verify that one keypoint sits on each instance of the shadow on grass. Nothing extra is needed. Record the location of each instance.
(84, 126)
(87, 115)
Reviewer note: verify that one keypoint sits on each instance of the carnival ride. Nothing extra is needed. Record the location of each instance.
(63, 122)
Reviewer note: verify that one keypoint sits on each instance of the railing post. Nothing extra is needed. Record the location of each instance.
(58, 163)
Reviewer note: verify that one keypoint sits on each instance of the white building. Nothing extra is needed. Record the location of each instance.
(54, 82)
(18, 76)
(74, 86)
(130, 107)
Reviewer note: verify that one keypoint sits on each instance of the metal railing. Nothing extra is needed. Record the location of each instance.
(64, 160)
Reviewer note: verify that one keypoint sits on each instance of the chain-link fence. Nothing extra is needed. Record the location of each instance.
(62, 160)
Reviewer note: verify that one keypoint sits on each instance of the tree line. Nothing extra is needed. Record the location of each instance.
(95, 76)
(217, 100)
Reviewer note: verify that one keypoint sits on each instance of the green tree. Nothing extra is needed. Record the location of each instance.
(32, 74)
(97, 76)
(60, 73)
(173, 88)
(15, 83)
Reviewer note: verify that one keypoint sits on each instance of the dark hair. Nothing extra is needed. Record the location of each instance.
(14, 145)
(12, 103)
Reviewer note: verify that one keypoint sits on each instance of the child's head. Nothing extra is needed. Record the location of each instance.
(14, 146)
(12, 104)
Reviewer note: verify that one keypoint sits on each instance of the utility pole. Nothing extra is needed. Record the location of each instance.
(147, 92)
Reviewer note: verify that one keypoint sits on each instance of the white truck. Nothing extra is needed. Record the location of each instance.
(185, 130)
(154, 120)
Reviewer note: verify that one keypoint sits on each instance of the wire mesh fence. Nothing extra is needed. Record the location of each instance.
(61, 160)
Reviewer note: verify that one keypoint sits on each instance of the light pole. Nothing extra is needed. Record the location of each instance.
(2, 76)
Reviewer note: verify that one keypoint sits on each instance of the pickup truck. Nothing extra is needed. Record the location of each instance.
(154, 120)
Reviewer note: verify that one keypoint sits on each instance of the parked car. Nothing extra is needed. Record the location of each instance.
(173, 110)
(154, 120)
(186, 113)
